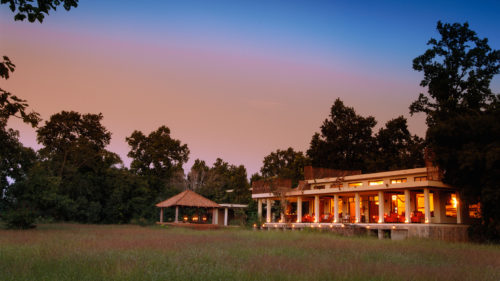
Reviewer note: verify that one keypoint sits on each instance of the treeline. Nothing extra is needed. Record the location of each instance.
(73, 177)
(347, 141)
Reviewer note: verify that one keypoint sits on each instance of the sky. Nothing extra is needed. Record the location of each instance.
(231, 79)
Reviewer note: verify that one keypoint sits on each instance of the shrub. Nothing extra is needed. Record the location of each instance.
(19, 218)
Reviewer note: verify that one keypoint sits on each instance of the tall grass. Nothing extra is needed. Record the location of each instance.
(90, 252)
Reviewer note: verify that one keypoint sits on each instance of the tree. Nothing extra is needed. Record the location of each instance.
(197, 177)
(345, 140)
(462, 117)
(287, 164)
(26, 10)
(396, 148)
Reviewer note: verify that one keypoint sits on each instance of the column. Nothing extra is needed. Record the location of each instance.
(161, 214)
(459, 209)
(427, 205)
(299, 209)
(358, 211)
(225, 216)
(381, 206)
(336, 208)
(259, 210)
(268, 214)
(407, 206)
(176, 214)
(316, 208)
(214, 216)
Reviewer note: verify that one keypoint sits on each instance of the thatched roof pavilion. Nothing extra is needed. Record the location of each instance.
(186, 198)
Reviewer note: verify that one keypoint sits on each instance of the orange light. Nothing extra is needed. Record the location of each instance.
(393, 227)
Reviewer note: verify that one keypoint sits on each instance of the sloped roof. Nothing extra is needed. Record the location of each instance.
(190, 199)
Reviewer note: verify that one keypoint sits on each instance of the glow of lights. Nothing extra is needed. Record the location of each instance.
(407, 221)
(393, 227)
(376, 182)
(293, 225)
(254, 225)
(331, 225)
(454, 202)
(368, 227)
(319, 226)
(343, 225)
(426, 220)
(394, 197)
(380, 221)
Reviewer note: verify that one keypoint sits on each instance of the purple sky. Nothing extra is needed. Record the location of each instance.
(232, 79)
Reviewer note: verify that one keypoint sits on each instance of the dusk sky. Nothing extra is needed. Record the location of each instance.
(232, 79)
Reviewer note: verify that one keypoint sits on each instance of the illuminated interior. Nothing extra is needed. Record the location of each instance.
(423, 178)
(395, 181)
(421, 203)
(451, 206)
(379, 182)
(397, 204)
(355, 184)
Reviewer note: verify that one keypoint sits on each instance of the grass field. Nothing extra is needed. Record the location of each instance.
(128, 252)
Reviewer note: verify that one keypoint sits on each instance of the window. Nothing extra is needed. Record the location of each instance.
(355, 184)
(395, 181)
(379, 182)
(451, 205)
(421, 203)
(422, 178)
(475, 211)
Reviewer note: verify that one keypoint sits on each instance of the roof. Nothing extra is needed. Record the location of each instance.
(228, 205)
(190, 199)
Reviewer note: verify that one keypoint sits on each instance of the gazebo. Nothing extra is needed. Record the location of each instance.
(188, 198)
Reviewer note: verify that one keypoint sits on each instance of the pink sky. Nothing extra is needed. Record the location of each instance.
(224, 99)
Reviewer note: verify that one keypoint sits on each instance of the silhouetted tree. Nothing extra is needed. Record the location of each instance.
(462, 117)
(345, 140)
(396, 148)
(287, 164)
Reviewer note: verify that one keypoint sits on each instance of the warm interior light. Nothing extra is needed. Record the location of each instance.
(380, 182)
(454, 201)
(394, 197)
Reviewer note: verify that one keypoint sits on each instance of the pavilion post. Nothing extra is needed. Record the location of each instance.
(336, 208)
(161, 214)
(427, 205)
(316, 208)
(459, 209)
(176, 214)
(225, 216)
(407, 206)
(380, 206)
(268, 209)
(358, 212)
(299, 209)
(259, 209)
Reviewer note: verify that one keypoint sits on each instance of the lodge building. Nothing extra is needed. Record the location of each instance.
(409, 203)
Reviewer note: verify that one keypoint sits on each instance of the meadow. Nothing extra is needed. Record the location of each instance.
(129, 252)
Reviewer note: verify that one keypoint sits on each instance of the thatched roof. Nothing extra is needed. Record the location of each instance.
(190, 199)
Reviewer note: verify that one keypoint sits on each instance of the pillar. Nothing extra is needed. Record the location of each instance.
(299, 209)
(358, 211)
(381, 206)
(225, 216)
(176, 214)
(268, 207)
(316, 208)
(214, 215)
(459, 209)
(259, 209)
(336, 208)
(407, 206)
(427, 205)
(161, 214)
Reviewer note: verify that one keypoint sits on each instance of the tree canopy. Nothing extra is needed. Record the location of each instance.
(462, 117)
(25, 9)
(287, 164)
(345, 139)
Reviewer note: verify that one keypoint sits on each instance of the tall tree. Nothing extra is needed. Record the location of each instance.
(288, 164)
(345, 139)
(462, 116)
(396, 148)
(198, 174)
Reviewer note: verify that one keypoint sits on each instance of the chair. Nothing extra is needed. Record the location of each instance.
(417, 217)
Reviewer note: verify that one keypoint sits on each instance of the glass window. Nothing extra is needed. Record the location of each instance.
(355, 184)
(395, 181)
(379, 182)
(475, 211)
(422, 178)
(421, 203)
(451, 205)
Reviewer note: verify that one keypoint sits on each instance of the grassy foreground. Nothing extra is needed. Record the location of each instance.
(96, 252)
